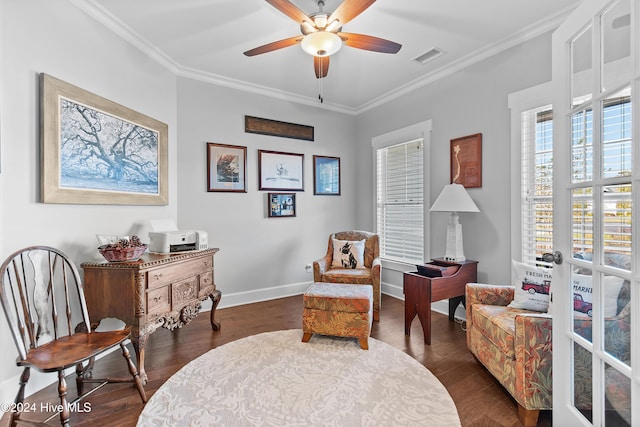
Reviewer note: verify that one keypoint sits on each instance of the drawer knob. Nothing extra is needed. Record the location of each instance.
(158, 276)
(157, 299)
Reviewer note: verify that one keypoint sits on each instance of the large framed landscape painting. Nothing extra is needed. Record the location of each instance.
(95, 151)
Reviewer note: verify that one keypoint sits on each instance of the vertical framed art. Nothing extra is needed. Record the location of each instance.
(226, 168)
(466, 161)
(326, 176)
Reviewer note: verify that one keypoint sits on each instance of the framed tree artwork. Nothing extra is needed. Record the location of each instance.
(226, 168)
(95, 151)
(466, 161)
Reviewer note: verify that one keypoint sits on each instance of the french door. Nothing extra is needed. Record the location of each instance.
(596, 290)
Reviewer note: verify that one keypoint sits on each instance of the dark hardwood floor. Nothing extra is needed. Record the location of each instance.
(480, 399)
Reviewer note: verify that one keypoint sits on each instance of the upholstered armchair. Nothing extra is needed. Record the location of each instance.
(513, 344)
(328, 269)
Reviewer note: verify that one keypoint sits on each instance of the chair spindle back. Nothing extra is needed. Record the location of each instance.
(42, 297)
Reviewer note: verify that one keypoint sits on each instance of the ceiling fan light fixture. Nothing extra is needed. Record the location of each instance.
(307, 28)
(321, 43)
(320, 19)
(334, 25)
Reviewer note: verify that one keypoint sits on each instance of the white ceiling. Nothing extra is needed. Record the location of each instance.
(205, 39)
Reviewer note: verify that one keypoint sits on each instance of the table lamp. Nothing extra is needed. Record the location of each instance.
(454, 198)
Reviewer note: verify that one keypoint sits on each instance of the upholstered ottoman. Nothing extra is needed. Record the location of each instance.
(338, 309)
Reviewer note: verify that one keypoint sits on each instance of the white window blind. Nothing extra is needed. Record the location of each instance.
(616, 164)
(537, 180)
(400, 204)
(537, 184)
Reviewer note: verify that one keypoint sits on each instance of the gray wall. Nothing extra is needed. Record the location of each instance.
(258, 252)
(56, 38)
(470, 101)
(260, 258)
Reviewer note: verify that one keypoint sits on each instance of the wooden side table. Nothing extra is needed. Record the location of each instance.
(421, 291)
(158, 290)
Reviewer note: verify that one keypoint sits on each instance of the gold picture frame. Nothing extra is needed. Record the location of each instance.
(95, 151)
(466, 161)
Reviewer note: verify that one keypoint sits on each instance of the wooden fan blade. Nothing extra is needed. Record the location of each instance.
(321, 66)
(269, 47)
(375, 44)
(291, 10)
(349, 9)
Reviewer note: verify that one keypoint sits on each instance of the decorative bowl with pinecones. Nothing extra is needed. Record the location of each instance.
(124, 250)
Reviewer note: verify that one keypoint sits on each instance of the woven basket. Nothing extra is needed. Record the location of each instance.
(115, 254)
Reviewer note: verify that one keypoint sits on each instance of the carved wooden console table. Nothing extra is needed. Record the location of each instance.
(158, 290)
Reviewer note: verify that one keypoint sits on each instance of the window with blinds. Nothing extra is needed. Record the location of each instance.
(400, 201)
(537, 184)
(615, 171)
(537, 180)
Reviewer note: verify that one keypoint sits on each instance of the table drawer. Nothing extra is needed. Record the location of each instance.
(184, 291)
(206, 283)
(158, 300)
(168, 274)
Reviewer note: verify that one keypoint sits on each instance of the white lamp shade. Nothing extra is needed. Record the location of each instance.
(321, 43)
(454, 198)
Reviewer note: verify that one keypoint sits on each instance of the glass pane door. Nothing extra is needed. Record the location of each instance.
(595, 181)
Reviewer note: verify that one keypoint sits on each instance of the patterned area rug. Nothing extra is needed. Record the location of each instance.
(273, 379)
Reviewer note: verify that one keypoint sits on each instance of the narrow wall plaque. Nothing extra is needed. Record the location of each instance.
(277, 128)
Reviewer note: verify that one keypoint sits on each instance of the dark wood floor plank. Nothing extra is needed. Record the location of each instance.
(480, 399)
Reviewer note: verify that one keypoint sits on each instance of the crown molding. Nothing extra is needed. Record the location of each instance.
(106, 18)
(534, 30)
(261, 90)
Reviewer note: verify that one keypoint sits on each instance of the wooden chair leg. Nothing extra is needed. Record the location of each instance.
(80, 379)
(134, 373)
(364, 343)
(306, 336)
(62, 392)
(24, 379)
(376, 315)
(528, 417)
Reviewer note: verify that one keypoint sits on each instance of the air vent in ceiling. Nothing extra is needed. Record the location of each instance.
(428, 55)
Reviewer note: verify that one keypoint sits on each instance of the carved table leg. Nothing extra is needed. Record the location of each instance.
(215, 299)
(139, 342)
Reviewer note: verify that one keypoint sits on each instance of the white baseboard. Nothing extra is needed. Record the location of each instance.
(249, 297)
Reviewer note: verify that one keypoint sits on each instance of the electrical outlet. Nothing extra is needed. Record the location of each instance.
(308, 268)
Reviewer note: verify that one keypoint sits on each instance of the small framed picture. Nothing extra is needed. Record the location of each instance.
(226, 168)
(466, 161)
(281, 204)
(280, 171)
(326, 176)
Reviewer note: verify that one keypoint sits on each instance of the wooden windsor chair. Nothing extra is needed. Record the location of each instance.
(43, 300)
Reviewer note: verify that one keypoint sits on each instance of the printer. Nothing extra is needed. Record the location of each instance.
(177, 241)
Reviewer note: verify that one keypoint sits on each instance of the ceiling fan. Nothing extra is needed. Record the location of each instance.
(321, 33)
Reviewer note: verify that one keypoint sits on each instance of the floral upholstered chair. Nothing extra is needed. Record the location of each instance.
(353, 259)
(513, 344)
